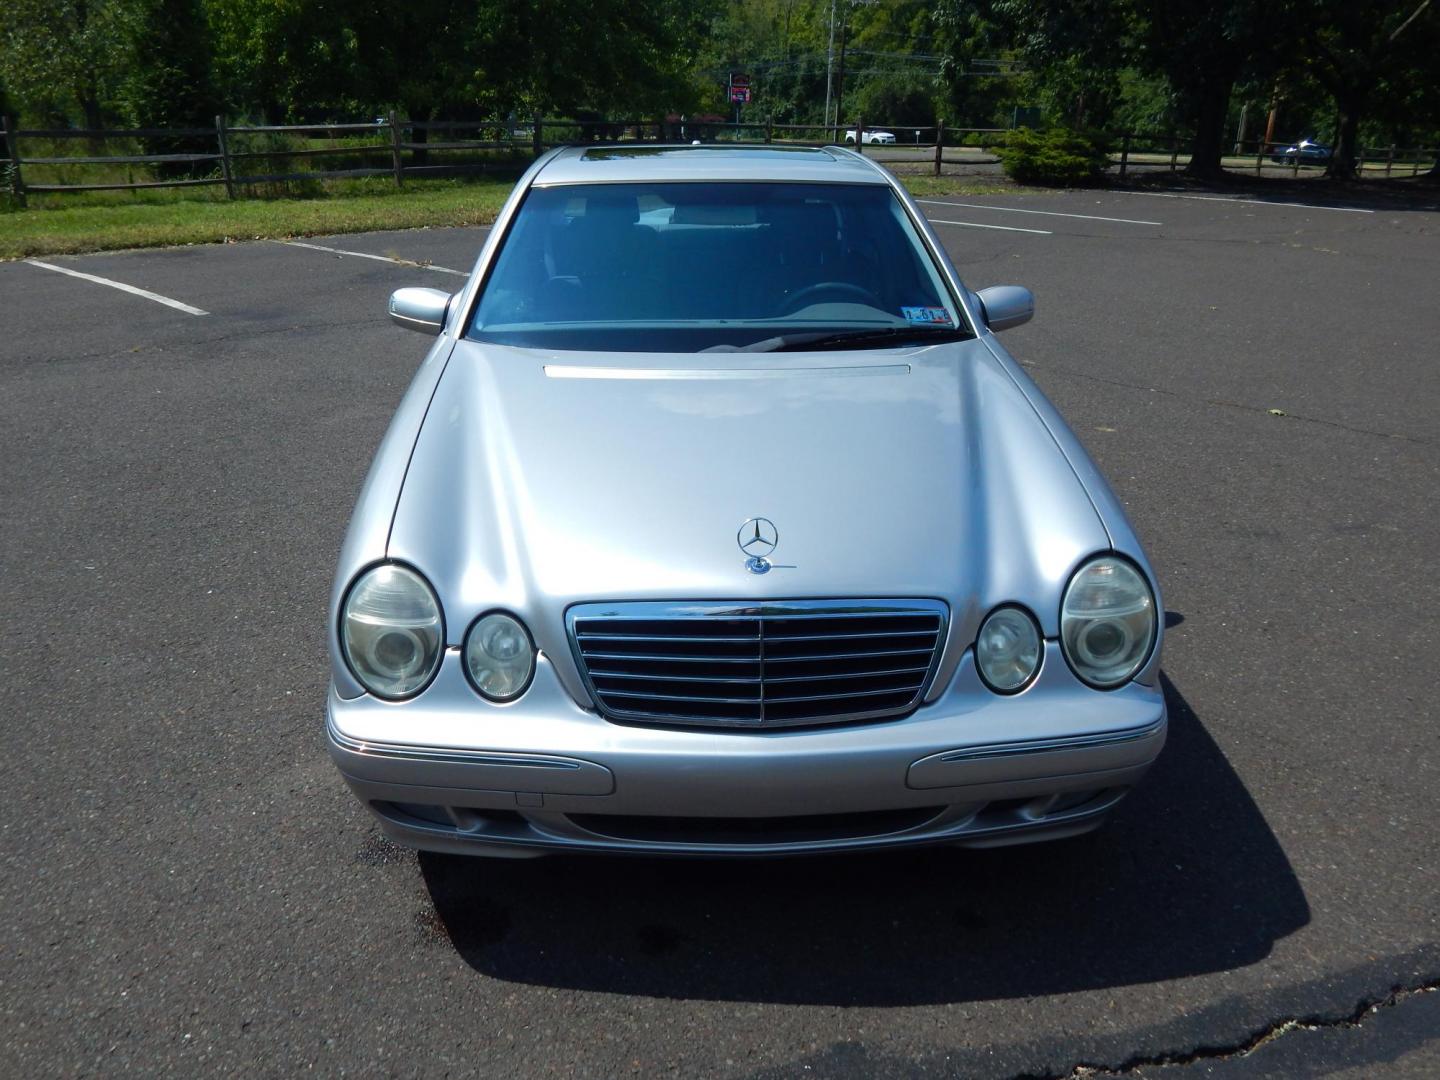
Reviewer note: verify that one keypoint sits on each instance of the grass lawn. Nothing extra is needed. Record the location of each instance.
(97, 226)
(63, 225)
(925, 186)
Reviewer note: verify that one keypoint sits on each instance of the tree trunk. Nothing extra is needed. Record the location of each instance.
(94, 121)
(1347, 127)
(1212, 103)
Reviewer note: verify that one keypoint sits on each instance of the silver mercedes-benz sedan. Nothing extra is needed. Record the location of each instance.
(718, 522)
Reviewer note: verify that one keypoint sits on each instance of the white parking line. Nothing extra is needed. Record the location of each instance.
(147, 294)
(1043, 213)
(378, 258)
(1242, 199)
(1002, 228)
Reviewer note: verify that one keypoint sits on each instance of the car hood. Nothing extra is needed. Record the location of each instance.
(539, 480)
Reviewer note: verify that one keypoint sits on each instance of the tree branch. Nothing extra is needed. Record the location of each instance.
(1413, 16)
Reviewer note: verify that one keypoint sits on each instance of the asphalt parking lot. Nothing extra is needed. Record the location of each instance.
(189, 889)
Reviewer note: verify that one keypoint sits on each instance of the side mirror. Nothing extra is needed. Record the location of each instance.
(419, 309)
(1004, 306)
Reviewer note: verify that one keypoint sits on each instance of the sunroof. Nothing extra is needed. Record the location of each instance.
(709, 150)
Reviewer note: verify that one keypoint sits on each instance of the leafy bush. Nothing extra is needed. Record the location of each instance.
(1058, 156)
(898, 100)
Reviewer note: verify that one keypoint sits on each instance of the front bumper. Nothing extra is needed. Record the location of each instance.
(448, 772)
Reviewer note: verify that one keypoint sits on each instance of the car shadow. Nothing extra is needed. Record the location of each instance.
(1400, 194)
(1186, 878)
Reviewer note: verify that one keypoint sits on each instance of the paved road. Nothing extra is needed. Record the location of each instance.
(962, 160)
(187, 887)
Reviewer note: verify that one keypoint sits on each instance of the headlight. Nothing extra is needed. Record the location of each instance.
(499, 656)
(392, 632)
(1007, 651)
(1107, 621)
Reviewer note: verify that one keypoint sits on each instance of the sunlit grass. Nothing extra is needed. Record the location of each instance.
(111, 220)
(99, 226)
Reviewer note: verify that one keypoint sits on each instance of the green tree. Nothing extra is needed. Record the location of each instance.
(456, 59)
(170, 83)
(67, 57)
(614, 55)
(1369, 61)
(1201, 47)
(1204, 47)
(1074, 50)
(779, 43)
(899, 99)
(284, 60)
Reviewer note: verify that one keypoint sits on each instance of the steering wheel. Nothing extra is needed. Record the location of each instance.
(804, 297)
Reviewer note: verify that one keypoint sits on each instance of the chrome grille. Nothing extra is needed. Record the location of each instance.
(754, 665)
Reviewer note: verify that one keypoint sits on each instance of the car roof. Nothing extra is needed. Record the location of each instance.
(638, 163)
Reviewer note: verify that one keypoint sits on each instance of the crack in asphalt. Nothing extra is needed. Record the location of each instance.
(1222, 403)
(152, 348)
(1362, 1012)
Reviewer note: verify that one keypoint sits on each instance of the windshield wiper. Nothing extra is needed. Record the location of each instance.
(848, 339)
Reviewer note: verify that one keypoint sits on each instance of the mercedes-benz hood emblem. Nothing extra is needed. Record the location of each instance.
(757, 538)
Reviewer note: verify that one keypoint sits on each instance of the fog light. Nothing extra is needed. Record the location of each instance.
(1007, 650)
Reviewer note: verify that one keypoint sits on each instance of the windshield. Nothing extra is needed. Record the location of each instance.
(683, 267)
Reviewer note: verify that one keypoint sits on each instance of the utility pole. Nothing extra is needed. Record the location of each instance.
(1270, 120)
(830, 63)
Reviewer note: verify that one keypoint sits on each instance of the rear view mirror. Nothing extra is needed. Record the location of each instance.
(419, 309)
(1004, 306)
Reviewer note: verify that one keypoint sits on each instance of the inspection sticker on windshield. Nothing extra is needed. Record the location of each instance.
(928, 315)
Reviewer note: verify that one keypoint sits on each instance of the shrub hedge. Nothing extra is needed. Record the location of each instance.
(1056, 156)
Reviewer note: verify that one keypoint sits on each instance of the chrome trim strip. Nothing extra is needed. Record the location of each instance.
(845, 694)
(452, 756)
(673, 637)
(570, 371)
(1046, 746)
(673, 678)
(684, 659)
(653, 658)
(826, 678)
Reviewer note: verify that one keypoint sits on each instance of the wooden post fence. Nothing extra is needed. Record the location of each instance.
(224, 157)
(17, 184)
(396, 165)
(237, 161)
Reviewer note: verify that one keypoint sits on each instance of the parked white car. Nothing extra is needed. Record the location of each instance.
(879, 138)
